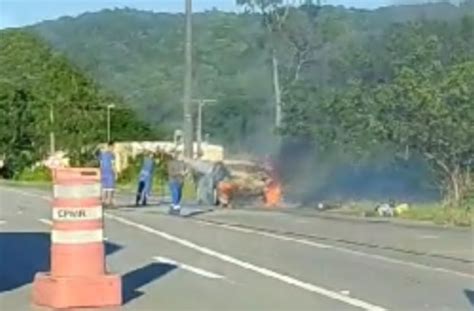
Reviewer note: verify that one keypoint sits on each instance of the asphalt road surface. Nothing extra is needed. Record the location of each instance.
(248, 259)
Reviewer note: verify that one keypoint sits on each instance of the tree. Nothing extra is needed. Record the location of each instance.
(426, 109)
(136, 54)
(37, 82)
(274, 14)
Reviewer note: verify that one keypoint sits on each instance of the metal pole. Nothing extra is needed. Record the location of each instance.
(201, 103)
(187, 99)
(52, 138)
(109, 132)
(199, 127)
(108, 123)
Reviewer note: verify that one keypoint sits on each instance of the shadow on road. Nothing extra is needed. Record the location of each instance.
(23, 254)
(470, 296)
(133, 206)
(135, 279)
(197, 213)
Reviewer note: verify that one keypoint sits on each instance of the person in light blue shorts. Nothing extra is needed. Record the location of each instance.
(107, 173)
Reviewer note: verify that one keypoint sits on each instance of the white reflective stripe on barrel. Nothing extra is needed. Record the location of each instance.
(77, 236)
(77, 213)
(77, 191)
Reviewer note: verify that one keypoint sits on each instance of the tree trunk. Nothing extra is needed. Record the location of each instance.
(277, 90)
(453, 182)
(455, 188)
(461, 187)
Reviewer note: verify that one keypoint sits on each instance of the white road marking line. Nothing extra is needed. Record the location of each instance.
(249, 266)
(342, 249)
(33, 195)
(270, 235)
(405, 263)
(199, 271)
(345, 292)
(238, 229)
(428, 237)
(301, 221)
(2, 222)
(46, 221)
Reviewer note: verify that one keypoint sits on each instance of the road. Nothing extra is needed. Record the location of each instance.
(248, 259)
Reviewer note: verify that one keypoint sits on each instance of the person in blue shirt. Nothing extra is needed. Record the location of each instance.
(145, 179)
(107, 173)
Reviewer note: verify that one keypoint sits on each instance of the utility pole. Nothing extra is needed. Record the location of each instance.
(109, 107)
(52, 138)
(277, 90)
(201, 103)
(187, 102)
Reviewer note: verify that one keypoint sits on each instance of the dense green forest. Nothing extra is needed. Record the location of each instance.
(361, 94)
(41, 92)
(139, 55)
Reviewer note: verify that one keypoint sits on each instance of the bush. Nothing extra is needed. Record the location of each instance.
(16, 162)
(37, 174)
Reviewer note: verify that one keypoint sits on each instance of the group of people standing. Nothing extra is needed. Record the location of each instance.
(213, 181)
(176, 170)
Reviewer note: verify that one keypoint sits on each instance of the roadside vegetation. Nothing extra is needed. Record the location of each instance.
(435, 212)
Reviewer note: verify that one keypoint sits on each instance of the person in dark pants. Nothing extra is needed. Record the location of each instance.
(145, 179)
(176, 174)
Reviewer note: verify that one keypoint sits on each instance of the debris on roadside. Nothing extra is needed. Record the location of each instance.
(324, 206)
(391, 209)
(401, 209)
(385, 209)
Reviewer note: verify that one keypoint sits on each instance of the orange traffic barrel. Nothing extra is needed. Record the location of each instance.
(78, 276)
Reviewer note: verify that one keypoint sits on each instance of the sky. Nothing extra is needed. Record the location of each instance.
(15, 13)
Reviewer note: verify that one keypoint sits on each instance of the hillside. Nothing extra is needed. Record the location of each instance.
(139, 56)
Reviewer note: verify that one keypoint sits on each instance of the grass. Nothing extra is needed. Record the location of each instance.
(440, 215)
(427, 212)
